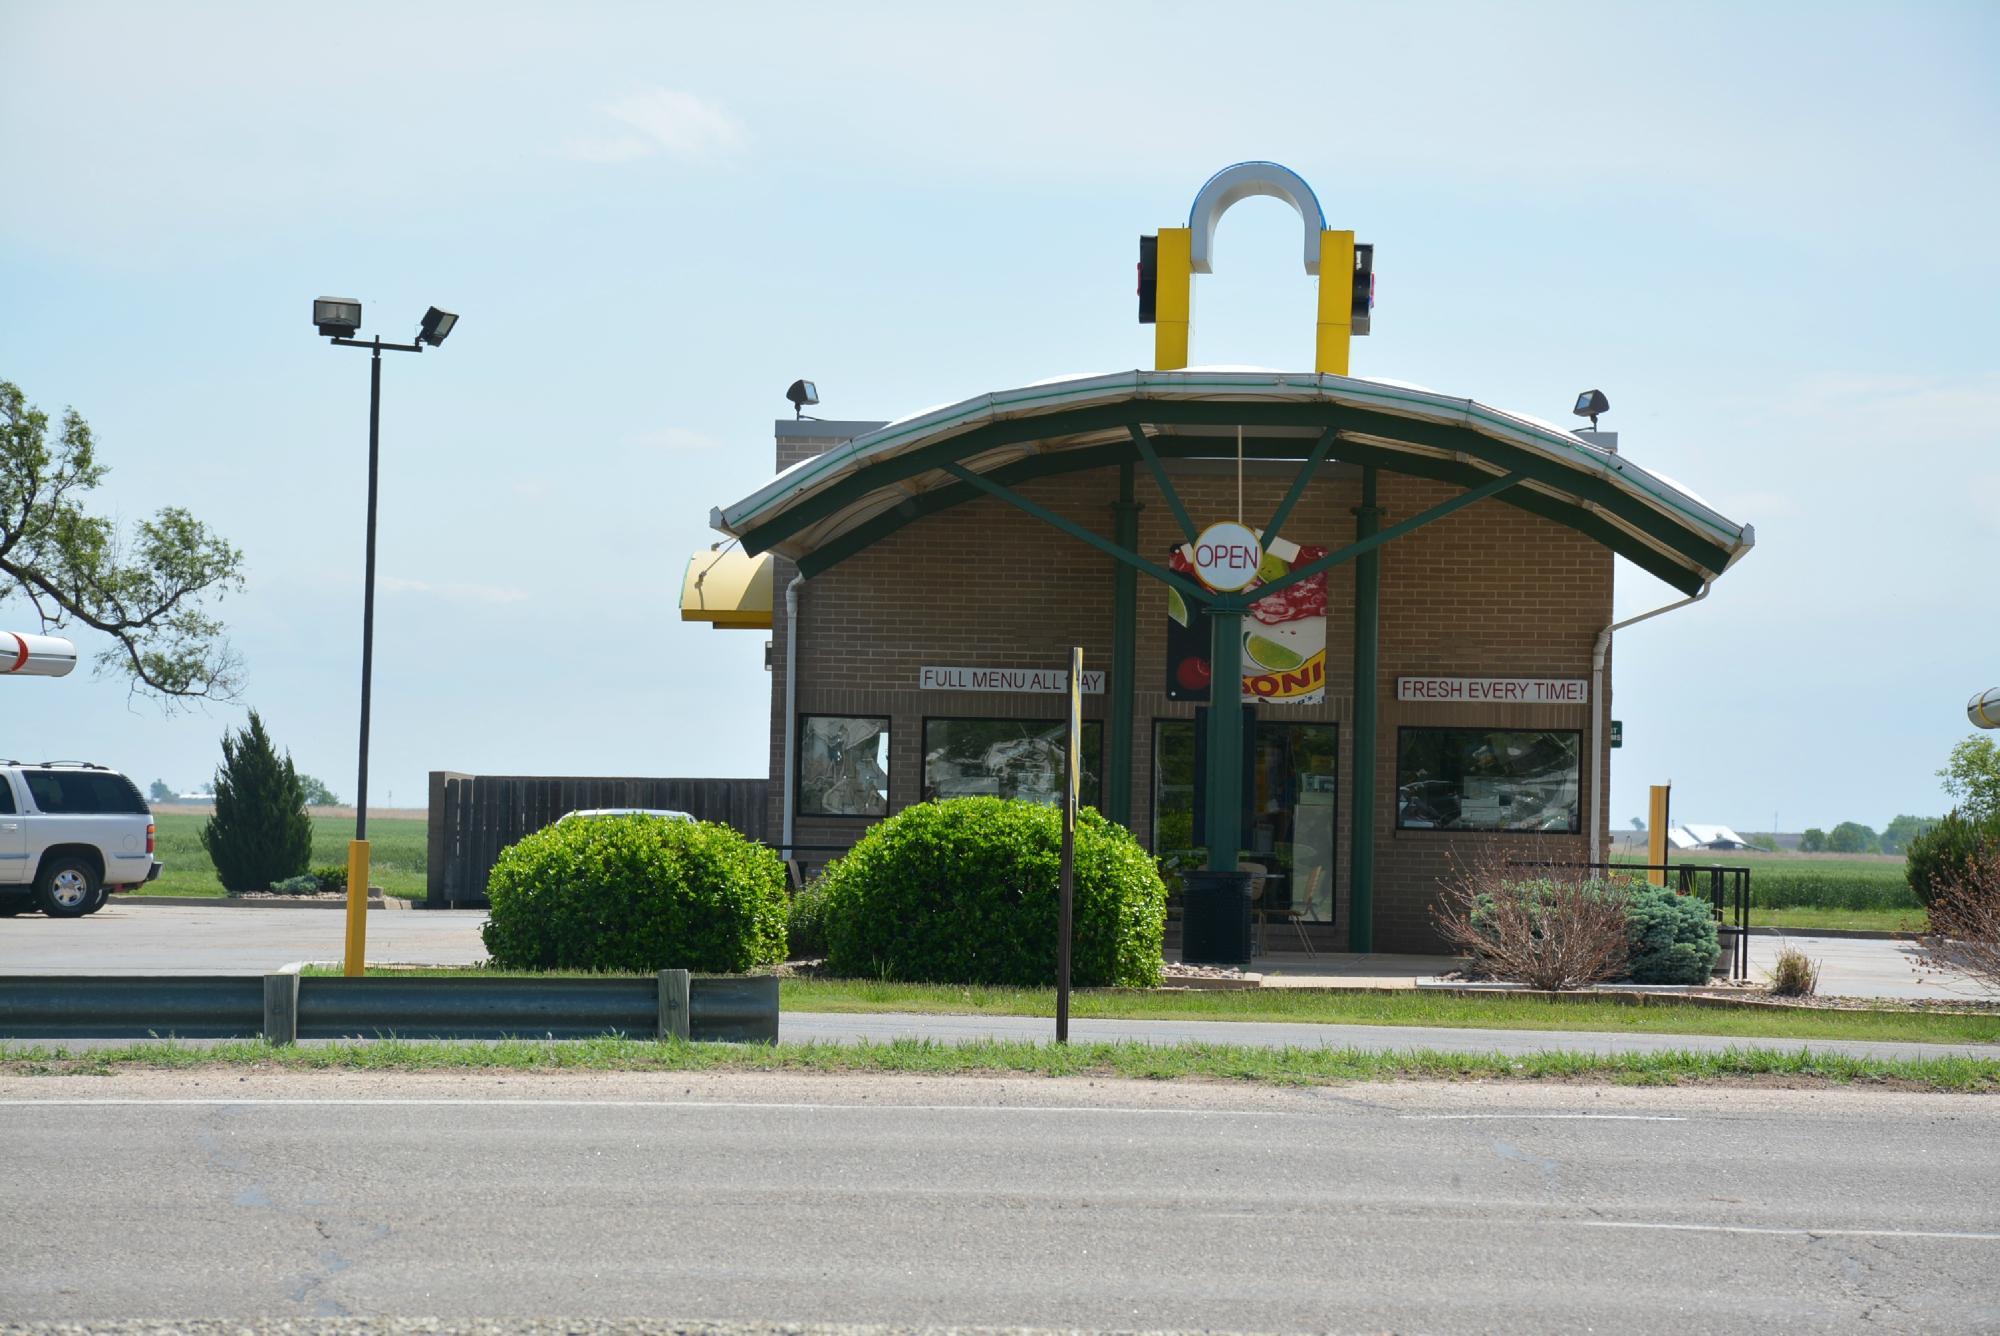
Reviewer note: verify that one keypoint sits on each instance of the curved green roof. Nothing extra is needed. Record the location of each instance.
(830, 506)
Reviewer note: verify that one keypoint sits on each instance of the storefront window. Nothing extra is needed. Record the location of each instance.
(1475, 779)
(843, 766)
(1005, 758)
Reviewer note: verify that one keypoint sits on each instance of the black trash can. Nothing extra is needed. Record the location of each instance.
(1215, 918)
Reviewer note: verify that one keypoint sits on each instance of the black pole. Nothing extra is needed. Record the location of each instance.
(368, 588)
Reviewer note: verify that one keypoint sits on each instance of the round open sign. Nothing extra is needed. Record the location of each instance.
(1227, 555)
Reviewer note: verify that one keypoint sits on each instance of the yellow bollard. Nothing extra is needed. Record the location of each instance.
(1656, 833)
(357, 909)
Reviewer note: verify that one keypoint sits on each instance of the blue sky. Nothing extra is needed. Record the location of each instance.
(1763, 230)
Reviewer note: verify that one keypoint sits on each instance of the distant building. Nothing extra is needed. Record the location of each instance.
(1693, 836)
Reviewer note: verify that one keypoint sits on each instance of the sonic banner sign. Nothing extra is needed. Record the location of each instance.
(1495, 690)
(1005, 679)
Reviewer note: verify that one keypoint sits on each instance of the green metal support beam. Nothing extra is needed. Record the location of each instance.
(1165, 484)
(1367, 682)
(1188, 588)
(1224, 832)
(1368, 542)
(1124, 654)
(1307, 472)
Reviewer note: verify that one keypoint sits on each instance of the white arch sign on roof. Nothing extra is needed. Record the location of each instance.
(1239, 182)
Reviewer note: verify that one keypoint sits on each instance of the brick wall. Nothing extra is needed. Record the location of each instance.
(1488, 591)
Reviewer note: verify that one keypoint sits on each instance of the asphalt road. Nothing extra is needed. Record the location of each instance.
(1044, 1203)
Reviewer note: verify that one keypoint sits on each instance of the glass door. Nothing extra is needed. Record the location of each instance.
(1290, 809)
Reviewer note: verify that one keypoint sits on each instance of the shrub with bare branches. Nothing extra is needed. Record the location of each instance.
(1793, 974)
(1549, 927)
(1965, 919)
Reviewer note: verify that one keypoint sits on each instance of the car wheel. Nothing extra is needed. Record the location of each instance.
(101, 899)
(66, 888)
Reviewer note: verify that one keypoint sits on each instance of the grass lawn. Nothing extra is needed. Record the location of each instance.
(1214, 1062)
(1379, 1007)
(1852, 920)
(397, 852)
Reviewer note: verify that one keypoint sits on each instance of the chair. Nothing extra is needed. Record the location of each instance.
(1296, 909)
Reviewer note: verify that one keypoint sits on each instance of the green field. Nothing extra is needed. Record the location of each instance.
(1821, 891)
(397, 852)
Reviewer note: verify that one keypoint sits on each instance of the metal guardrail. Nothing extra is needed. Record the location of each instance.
(287, 1007)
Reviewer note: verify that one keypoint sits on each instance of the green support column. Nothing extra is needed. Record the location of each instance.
(1367, 656)
(1224, 835)
(1124, 633)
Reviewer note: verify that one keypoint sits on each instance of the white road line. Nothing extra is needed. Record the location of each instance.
(733, 1105)
(1543, 1117)
(1796, 1232)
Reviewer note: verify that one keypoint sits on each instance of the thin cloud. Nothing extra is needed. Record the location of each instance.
(455, 591)
(665, 121)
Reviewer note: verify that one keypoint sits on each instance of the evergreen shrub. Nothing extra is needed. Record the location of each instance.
(965, 891)
(260, 833)
(1943, 855)
(331, 876)
(805, 928)
(636, 894)
(301, 885)
(1669, 938)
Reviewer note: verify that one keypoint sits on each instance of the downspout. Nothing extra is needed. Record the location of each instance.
(1598, 711)
(791, 714)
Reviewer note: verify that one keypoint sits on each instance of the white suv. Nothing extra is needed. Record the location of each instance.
(70, 834)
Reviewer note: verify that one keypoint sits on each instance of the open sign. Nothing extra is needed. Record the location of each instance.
(1227, 555)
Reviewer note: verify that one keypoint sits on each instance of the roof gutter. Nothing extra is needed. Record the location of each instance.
(1600, 708)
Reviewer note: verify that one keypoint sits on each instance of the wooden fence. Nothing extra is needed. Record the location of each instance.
(474, 817)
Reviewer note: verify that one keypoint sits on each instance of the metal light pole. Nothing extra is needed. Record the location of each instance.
(338, 318)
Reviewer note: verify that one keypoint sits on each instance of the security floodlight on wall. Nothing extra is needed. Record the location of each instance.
(1589, 404)
(337, 317)
(802, 393)
(436, 326)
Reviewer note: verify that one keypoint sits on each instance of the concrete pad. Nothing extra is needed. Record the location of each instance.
(228, 939)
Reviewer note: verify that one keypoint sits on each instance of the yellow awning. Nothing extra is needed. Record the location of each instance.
(729, 589)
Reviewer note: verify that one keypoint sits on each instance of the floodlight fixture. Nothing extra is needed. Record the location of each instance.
(337, 317)
(802, 393)
(436, 326)
(1589, 404)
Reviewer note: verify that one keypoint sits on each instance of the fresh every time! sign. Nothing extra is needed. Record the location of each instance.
(1496, 690)
(1005, 679)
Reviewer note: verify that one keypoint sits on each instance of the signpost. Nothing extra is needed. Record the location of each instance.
(1072, 794)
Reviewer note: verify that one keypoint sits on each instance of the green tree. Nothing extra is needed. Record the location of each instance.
(1638, 823)
(1768, 843)
(317, 793)
(1971, 776)
(159, 792)
(1813, 841)
(148, 591)
(260, 832)
(1896, 836)
(1851, 837)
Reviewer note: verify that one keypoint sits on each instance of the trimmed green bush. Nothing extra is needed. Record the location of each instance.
(805, 929)
(965, 891)
(1941, 855)
(636, 894)
(1669, 938)
(332, 876)
(304, 885)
